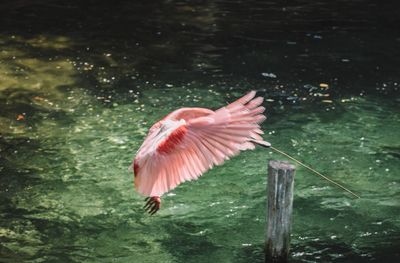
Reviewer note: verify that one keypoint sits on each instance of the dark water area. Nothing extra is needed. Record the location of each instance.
(82, 81)
(350, 44)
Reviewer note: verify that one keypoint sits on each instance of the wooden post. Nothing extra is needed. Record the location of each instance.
(279, 210)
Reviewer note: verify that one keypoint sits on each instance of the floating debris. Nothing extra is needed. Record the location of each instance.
(20, 117)
(268, 75)
(323, 85)
(310, 87)
(321, 94)
(38, 98)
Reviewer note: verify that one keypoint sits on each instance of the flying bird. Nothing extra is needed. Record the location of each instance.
(189, 141)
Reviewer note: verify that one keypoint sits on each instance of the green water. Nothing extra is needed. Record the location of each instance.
(78, 93)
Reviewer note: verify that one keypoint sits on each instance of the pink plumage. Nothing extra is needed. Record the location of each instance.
(190, 141)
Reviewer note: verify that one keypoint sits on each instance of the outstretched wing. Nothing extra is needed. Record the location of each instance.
(197, 145)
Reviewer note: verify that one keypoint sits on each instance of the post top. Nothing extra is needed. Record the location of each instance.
(281, 165)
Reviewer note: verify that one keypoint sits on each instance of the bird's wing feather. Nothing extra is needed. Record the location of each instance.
(207, 141)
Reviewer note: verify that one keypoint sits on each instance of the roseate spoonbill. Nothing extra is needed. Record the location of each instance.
(189, 141)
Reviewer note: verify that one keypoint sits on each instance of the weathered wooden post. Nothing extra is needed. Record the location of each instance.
(279, 210)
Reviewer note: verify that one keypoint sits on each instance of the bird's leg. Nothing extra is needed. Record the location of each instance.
(153, 204)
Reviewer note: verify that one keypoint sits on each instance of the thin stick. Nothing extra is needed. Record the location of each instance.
(268, 145)
(316, 172)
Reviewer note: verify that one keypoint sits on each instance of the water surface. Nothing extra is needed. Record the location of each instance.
(81, 83)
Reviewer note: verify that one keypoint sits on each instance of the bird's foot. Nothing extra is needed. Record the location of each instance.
(153, 204)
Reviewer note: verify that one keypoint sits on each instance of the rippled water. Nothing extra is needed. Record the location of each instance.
(81, 84)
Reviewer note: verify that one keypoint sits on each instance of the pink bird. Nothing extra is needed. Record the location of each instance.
(189, 141)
